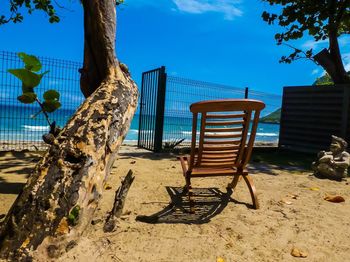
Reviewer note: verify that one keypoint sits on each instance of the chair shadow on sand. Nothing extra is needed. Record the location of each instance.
(208, 202)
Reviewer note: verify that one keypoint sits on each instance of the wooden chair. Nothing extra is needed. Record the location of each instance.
(226, 138)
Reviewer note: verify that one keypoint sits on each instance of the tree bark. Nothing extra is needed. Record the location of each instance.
(334, 67)
(331, 59)
(62, 193)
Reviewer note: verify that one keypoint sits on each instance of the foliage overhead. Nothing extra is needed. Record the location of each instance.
(30, 79)
(18, 7)
(320, 19)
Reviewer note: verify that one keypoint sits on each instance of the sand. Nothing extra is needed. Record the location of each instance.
(293, 213)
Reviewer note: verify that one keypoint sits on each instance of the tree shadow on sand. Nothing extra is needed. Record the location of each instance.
(208, 202)
(11, 188)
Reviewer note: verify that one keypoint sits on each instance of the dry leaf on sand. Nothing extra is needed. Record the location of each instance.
(298, 253)
(285, 201)
(334, 199)
(314, 188)
(293, 196)
(220, 259)
(107, 187)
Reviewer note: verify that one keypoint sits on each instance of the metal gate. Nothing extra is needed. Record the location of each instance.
(151, 120)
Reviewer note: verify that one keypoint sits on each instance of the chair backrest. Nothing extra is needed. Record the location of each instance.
(225, 136)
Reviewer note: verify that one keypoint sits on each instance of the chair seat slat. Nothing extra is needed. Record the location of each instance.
(221, 165)
(222, 116)
(220, 148)
(216, 156)
(221, 136)
(222, 142)
(224, 123)
(219, 160)
(238, 129)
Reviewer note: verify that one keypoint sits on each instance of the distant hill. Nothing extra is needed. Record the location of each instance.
(273, 118)
(324, 80)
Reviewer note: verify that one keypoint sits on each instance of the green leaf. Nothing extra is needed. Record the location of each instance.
(75, 211)
(28, 78)
(51, 95)
(26, 89)
(51, 105)
(31, 62)
(73, 216)
(27, 98)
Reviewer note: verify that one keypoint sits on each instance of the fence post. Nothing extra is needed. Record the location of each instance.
(141, 106)
(158, 134)
(246, 93)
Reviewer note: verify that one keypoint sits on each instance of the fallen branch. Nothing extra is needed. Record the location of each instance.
(119, 201)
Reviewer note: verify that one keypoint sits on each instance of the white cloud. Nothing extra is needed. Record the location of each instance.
(315, 72)
(313, 44)
(346, 59)
(227, 7)
(343, 41)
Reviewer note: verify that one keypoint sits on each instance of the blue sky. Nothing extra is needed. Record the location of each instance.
(220, 41)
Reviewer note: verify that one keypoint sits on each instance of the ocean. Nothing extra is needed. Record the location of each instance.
(18, 123)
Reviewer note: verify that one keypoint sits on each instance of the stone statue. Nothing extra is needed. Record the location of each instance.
(333, 164)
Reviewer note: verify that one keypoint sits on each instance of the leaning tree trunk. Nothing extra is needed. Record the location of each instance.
(331, 60)
(63, 191)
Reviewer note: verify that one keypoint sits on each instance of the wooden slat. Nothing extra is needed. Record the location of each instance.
(210, 172)
(224, 123)
(208, 153)
(217, 156)
(225, 116)
(221, 136)
(218, 160)
(218, 165)
(237, 129)
(225, 142)
(227, 105)
(219, 148)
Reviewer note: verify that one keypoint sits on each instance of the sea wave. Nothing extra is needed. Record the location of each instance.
(36, 128)
(266, 134)
(188, 132)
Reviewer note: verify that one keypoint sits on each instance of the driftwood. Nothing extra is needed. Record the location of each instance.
(119, 201)
(60, 198)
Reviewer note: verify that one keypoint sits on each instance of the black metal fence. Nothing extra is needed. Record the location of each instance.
(180, 93)
(19, 127)
(151, 118)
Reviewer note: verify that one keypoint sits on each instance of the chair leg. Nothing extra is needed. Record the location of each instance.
(188, 190)
(252, 191)
(234, 182)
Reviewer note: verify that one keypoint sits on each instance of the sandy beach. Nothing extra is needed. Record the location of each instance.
(293, 214)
